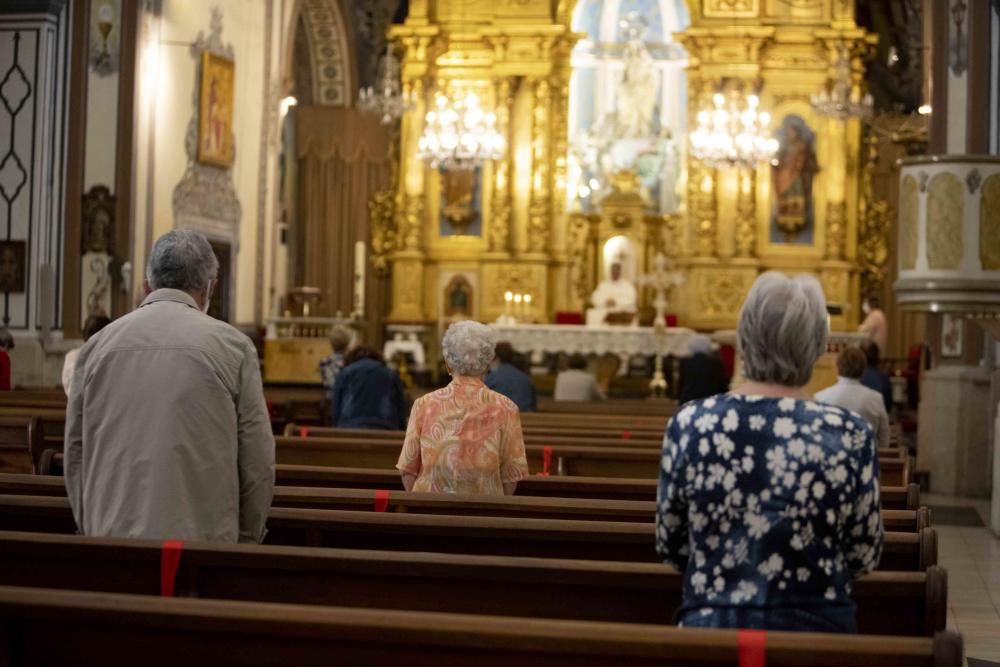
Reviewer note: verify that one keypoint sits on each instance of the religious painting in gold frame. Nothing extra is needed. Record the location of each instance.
(215, 111)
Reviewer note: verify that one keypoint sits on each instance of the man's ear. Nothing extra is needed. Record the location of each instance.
(146, 289)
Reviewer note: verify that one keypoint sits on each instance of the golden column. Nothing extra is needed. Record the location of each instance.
(500, 213)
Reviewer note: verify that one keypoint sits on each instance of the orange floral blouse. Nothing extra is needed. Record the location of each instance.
(464, 438)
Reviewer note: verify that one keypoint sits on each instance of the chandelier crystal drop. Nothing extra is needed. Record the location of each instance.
(459, 135)
(839, 99)
(733, 135)
(387, 100)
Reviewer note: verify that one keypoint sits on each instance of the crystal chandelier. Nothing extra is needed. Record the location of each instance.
(388, 102)
(733, 135)
(459, 135)
(838, 100)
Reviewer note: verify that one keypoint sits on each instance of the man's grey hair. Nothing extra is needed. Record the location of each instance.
(469, 347)
(783, 329)
(700, 344)
(182, 259)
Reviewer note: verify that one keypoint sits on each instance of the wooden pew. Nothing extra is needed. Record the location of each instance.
(47, 627)
(500, 536)
(896, 603)
(18, 436)
(905, 521)
(893, 497)
(649, 408)
(572, 459)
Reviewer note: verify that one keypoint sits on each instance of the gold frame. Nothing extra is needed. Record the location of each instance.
(224, 154)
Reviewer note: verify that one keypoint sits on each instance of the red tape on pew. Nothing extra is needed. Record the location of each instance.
(626, 435)
(546, 460)
(303, 431)
(752, 647)
(381, 500)
(170, 559)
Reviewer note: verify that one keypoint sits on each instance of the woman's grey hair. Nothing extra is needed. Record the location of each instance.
(783, 329)
(182, 259)
(469, 347)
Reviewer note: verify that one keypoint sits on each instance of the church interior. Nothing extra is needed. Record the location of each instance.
(602, 183)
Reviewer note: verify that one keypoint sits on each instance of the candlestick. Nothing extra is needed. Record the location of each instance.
(359, 278)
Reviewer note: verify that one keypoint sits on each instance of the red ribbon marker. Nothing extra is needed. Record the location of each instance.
(752, 648)
(170, 559)
(381, 500)
(546, 460)
(626, 435)
(304, 431)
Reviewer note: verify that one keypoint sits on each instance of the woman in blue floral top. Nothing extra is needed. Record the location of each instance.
(768, 501)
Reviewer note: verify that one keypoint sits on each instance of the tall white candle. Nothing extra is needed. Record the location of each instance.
(359, 278)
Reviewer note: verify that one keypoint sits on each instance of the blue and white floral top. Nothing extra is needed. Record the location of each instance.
(768, 503)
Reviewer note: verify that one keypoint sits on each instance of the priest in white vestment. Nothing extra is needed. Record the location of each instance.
(616, 295)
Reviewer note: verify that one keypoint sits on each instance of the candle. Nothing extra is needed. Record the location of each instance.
(527, 307)
(508, 297)
(359, 278)
(517, 305)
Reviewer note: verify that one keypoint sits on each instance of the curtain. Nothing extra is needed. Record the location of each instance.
(342, 161)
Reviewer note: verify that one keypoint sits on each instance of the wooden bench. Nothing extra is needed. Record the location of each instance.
(498, 536)
(568, 459)
(897, 603)
(18, 437)
(905, 521)
(47, 627)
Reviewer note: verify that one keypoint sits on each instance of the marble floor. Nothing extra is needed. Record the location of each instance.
(971, 554)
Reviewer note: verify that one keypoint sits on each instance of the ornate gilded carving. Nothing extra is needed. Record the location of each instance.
(729, 8)
(540, 208)
(746, 210)
(909, 210)
(410, 222)
(989, 224)
(945, 218)
(873, 227)
(581, 237)
(500, 215)
(721, 293)
(836, 229)
(381, 220)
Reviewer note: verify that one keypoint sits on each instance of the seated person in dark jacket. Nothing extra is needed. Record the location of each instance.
(368, 394)
(873, 377)
(512, 382)
(702, 374)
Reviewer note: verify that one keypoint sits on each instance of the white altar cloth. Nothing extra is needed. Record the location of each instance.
(623, 341)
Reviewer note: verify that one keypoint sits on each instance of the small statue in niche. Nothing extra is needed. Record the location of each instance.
(458, 298)
(792, 175)
(98, 251)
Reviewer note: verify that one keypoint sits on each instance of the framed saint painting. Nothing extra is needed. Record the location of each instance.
(13, 266)
(215, 111)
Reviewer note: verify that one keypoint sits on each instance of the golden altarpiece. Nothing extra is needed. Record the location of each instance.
(510, 226)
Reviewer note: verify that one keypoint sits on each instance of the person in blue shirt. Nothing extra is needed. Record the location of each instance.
(368, 394)
(512, 382)
(873, 377)
(768, 501)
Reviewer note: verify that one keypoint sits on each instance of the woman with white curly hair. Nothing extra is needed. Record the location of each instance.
(464, 438)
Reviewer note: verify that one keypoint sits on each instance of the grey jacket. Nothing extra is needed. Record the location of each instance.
(167, 431)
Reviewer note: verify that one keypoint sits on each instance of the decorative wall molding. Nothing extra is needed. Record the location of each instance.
(205, 198)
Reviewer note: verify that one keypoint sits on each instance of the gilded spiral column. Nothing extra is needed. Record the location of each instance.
(540, 209)
(500, 212)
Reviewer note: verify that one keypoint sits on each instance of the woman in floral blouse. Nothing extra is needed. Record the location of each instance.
(464, 438)
(768, 501)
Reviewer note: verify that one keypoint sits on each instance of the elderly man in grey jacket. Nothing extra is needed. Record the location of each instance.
(167, 430)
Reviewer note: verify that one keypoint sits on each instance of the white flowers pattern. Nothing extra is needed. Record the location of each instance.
(766, 502)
